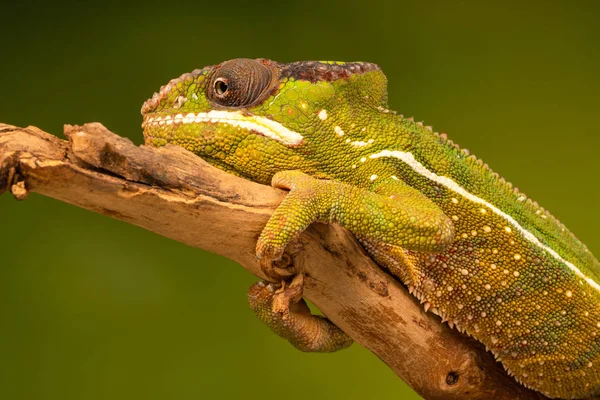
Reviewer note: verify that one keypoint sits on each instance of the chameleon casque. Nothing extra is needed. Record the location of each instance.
(470, 247)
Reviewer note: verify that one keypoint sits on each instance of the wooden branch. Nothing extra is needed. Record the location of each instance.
(176, 194)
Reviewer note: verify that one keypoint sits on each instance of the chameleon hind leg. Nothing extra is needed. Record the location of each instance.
(390, 212)
(284, 311)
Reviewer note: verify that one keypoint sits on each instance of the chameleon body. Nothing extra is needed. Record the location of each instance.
(483, 256)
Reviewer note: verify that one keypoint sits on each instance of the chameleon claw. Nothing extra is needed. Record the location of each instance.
(287, 295)
(282, 287)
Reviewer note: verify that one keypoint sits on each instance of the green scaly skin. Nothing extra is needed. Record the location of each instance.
(285, 312)
(473, 250)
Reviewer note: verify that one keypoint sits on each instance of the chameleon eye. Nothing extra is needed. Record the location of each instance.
(220, 86)
(241, 83)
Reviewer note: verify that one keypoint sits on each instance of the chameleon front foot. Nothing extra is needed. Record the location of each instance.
(297, 211)
(284, 311)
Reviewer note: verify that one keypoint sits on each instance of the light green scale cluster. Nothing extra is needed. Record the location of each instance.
(475, 251)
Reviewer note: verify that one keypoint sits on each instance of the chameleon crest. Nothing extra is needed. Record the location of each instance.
(472, 249)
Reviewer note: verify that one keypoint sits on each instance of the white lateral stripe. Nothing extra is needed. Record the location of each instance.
(264, 126)
(410, 160)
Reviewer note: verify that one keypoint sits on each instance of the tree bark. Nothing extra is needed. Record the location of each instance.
(178, 195)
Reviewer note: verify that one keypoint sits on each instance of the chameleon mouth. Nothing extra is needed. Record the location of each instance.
(261, 125)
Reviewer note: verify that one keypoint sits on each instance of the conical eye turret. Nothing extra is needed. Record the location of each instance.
(240, 82)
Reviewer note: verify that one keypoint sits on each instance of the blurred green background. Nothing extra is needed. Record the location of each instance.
(93, 308)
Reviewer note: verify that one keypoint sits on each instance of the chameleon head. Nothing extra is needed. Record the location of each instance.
(257, 117)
